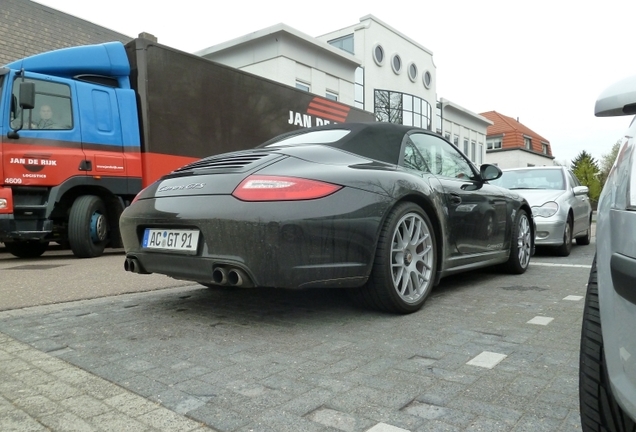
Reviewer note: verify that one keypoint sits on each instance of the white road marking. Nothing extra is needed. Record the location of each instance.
(487, 360)
(573, 298)
(540, 320)
(383, 427)
(545, 264)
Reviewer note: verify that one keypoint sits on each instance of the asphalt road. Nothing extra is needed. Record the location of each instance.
(489, 351)
(57, 276)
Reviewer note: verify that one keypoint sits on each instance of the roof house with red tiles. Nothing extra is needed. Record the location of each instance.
(511, 144)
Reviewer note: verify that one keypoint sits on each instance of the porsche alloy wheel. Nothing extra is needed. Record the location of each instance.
(405, 262)
(520, 244)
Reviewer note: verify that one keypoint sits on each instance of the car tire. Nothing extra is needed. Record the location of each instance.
(598, 408)
(405, 263)
(566, 247)
(585, 240)
(88, 227)
(26, 248)
(520, 244)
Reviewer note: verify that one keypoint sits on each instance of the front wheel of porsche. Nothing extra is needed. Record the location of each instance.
(405, 262)
(520, 244)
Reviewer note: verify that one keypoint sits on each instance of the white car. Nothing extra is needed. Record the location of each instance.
(560, 205)
(607, 380)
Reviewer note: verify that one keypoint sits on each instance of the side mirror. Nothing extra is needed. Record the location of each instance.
(580, 190)
(489, 172)
(27, 95)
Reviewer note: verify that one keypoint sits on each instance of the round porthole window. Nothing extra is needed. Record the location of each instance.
(378, 54)
(427, 79)
(396, 64)
(412, 72)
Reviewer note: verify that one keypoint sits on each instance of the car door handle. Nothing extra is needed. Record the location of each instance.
(455, 199)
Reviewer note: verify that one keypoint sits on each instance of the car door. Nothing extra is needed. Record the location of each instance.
(580, 206)
(477, 214)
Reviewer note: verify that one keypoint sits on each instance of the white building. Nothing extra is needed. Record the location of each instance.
(369, 65)
(464, 128)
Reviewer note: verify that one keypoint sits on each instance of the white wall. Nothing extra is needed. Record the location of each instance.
(516, 159)
(370, 32)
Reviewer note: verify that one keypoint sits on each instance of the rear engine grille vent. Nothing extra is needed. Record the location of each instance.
(225, 162)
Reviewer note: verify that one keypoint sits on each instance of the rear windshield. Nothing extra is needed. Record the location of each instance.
(381, 142)
(315, 137)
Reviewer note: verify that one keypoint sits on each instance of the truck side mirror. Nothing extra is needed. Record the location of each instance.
(27, 95)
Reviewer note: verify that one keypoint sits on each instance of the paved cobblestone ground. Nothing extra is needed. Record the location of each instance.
(268, 360)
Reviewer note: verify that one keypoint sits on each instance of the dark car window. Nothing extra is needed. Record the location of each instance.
(441, 157)
(413, 159)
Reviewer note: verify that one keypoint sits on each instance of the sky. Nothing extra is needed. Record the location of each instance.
(543, 62)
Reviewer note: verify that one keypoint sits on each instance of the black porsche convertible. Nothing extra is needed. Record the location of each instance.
(380, 209)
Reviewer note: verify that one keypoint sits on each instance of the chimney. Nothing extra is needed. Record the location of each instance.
(148, 36)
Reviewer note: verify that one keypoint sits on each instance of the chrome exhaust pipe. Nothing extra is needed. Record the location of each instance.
(237, 277)
(129, 265)
(134, 266)
(219, 276)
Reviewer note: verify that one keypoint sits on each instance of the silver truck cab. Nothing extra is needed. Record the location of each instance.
(607, 374)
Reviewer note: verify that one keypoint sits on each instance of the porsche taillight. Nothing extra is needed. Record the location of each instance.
(277, 188)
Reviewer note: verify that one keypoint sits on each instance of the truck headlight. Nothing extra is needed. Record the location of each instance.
(4, 203)
(546, 210)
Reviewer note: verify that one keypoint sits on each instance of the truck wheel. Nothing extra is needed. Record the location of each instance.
(598, 407)
(26, 248)
(88, 227)
(405, 263)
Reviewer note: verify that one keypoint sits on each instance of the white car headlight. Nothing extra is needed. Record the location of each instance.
(546, 210)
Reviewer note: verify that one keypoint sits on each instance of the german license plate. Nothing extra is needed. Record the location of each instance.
(178, 240)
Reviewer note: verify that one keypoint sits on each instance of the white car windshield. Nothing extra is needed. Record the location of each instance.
(532, 179)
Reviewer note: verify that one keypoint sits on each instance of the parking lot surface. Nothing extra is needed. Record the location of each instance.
(489, 351)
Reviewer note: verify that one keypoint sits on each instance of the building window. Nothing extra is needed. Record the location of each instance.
(473, 151)
(480, 153)
(427, 79)
(412, 72)
(527, 142)
(466, 146)
(493, 143)
(456, 140)
(396, 107)
(396, 64)
(545, 148)
(302, 86)
(378, 54)
(331, 95)
(345, 43)
(447, 135)
(359, 88)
